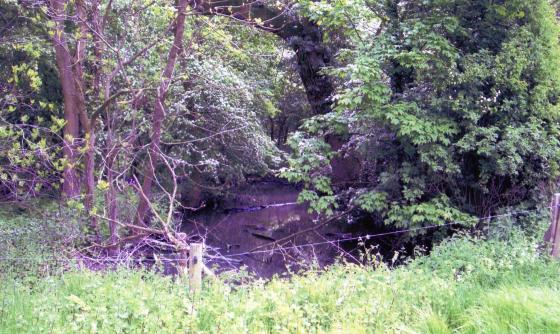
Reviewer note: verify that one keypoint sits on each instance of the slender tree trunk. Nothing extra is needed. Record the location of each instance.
(87, 124)
(111, 156)
(159, 113)
(71, 186)
(271, 120)
(98, 46)
(89, 174)
(111, 193)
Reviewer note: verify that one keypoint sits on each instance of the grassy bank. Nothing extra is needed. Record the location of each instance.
(465, 286)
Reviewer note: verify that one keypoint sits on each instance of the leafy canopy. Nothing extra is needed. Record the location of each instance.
(452, 107)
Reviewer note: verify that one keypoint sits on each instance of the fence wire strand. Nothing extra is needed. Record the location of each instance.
(283, 248)
(370, 236)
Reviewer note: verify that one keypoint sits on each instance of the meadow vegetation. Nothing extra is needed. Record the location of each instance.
(500, 284)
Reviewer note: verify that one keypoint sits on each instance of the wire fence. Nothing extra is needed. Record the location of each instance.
(273, 246)
(371, 236)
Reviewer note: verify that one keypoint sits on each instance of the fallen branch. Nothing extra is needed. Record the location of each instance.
(121, 241)
(311, 229)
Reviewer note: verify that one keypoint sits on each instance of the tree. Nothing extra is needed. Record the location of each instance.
(92, 65)
(304, 36)
(29, 115)
(452, 106)
(159, 111)
(111, 80)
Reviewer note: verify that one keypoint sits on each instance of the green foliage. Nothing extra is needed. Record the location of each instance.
(467, 285)
(310, 154)
(455, 103)
(373, 201)
(90, 303)
(434, 212)
(215, 124)
(30, 114)
(35, 243)
(233, 94)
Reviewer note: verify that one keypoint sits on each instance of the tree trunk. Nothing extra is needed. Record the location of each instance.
(87, 124)
(304, 36)
(111, 194)
(312, 56)
(71, 185)
(159, 114)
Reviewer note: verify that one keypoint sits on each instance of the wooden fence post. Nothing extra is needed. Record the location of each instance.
(183, 253)
(552, 235)
(195, 266)
(183, 263)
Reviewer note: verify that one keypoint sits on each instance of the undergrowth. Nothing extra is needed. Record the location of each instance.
(34, 241)
(466, 285)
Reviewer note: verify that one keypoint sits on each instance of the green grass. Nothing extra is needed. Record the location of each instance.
(517, 310)
(466, 285)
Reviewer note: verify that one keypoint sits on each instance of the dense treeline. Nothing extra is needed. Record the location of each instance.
(408, 112)
(449, 107)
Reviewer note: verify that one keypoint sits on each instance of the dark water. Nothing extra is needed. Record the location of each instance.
(258, 215)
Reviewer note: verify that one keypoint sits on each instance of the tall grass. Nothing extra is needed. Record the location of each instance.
(466, 285)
